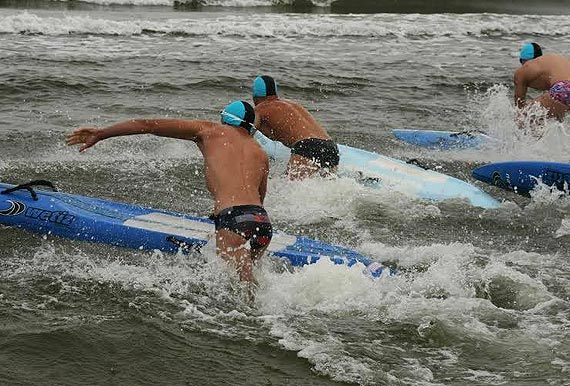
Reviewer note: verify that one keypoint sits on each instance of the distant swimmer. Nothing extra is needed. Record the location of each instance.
(312, 149)
(236, 170)
(551, 73)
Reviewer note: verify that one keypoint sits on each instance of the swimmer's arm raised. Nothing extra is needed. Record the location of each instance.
(173, 128)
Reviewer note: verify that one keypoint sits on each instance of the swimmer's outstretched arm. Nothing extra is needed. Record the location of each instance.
(173, 128)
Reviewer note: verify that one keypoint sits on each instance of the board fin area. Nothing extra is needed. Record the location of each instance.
(523, 176)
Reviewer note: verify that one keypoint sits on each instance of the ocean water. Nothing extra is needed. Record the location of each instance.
(483, 296)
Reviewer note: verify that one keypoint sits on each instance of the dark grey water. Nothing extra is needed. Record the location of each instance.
(482, 298)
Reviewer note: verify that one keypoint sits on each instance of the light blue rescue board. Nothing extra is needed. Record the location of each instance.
(379, 171)
(108, 222)
(443, 140)
(522, 176)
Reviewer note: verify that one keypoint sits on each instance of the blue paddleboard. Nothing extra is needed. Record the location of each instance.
(521, 176)
(379, 171)
(442, 140)
(108, 222)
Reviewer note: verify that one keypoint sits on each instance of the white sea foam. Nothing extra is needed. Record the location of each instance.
(545, 195)
(443, 294)
(276, 25)
(154, 156)
(128, 2)
(548, 143)
(449, 278)
(485, 376)
(339, 202)
(206, 3)
(313, 200)
(494, 113)
(529, 291)
(323, 286)
(564, 229)
(436, 289)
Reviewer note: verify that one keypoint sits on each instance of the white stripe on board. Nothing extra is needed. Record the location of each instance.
(409, 170)
(280, 241)
(179, 226)
(173, 225)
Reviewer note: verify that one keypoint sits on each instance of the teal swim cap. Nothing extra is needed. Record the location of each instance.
(530, 51)
(264, 86)
(239, 114)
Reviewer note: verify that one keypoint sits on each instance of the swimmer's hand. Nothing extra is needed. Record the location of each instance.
(89, 136)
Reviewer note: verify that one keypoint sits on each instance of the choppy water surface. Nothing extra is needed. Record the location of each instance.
(482, 297)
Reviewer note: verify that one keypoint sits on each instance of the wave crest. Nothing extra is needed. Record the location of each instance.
(292, 25)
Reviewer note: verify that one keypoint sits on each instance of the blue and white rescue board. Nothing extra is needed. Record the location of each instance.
(522, 176)
(108, 222)
(379, 171)
(443, 140)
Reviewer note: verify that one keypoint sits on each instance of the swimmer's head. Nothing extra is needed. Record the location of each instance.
(529, 51)
(239, 114)
(264, 86)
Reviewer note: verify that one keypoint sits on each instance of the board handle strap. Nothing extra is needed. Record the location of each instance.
(468, 133)
(29, 187)
(417, 162)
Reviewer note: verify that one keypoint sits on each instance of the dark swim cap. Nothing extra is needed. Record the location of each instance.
(530, 51)
(239, 114)
(264, 86)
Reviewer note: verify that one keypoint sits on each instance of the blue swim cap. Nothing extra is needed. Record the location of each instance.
(239, 114)
(530, 51)
(264, 86)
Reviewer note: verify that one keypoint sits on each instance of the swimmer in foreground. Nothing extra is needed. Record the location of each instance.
(312, 149)
(236, 170)
(550, 73)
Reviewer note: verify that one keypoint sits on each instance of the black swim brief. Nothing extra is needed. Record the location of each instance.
(249, 221)
(323, 152)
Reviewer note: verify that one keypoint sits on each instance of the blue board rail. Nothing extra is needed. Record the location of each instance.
(108, 222)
